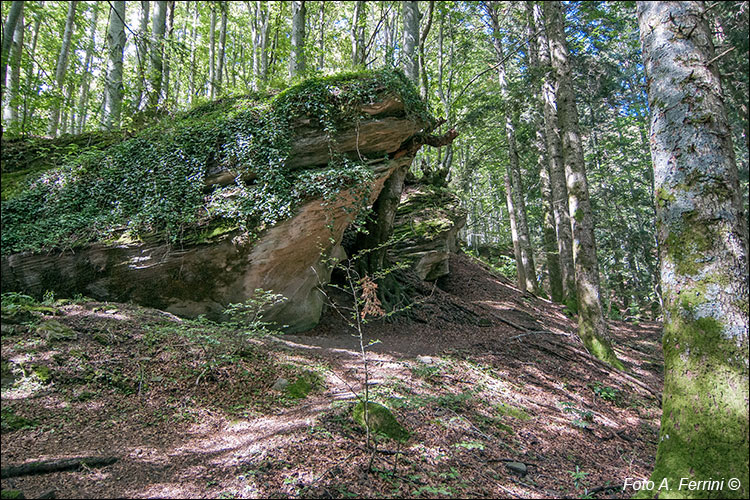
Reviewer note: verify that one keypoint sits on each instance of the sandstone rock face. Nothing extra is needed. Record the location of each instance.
(426, 230)
(288, 258)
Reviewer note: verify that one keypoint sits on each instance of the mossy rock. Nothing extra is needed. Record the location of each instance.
(54, 330)
(304, 384)
(381, 420)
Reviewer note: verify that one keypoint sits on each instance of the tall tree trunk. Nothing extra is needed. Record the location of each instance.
(61, 68)
(222, 47)
(321, 36)
(141, 45)
(411, 40)
(703, 249)
(12, 91)
(169, 29)
(512, 211)
(549, 233)
(14, 14)
(116, 46)
(357, 34)
(423, 83)
(513, 170)
(158, 27)
(558, 187)
(592, 326)
(264, 25)
(193, 44)
(297, 55)
(30, 71)
(84, 97)
(212, 53)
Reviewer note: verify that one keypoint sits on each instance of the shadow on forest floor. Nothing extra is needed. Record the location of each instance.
(185, 422)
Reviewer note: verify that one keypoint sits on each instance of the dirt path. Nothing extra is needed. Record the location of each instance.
(473, 397)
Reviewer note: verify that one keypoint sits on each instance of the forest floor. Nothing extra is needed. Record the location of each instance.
(189, 414)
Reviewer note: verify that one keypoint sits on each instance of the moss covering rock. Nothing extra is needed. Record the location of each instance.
(381, 421)
(199, 210)
(426, 229)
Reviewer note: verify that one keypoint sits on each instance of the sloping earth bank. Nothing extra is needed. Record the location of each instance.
(480, 375)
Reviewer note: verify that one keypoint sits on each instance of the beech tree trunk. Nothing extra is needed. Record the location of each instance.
(321, 35)
(30, 68)
(592, 325)
(222, 47)
(12, 90)
(193, 43)
(84, 97)
(423, 83)
(512, 211)
(297, 55)
(142, 50)
(116, 46)
(411, 40)
(549, 233)
(212, 54)
(165, 71)
(704, 254)
(559, 190)
(358, 34)
(527, 268)
(158, 27)
(61, 68)
(16, 8)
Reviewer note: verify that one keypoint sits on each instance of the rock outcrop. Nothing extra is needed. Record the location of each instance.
(426, 229)
(228, 264)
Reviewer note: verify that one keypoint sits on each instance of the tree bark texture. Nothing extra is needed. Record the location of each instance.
(84, 96)
(222, 47)
(297, 56)
(411, 40)
(116, 46)
(549, 233)
(703, 249)
(358, 34)
(158, 27)
(528, 276)
(61, 68)
(559, 190)
(592, 325)
(16, 8)
(142, 49)
(12, 90)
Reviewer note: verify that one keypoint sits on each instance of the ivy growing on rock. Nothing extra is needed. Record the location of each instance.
(153, 184)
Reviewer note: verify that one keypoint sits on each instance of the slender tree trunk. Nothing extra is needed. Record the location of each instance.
(212, 54)
(142, 50)
(158, 27)
(549, 233)
(512, 211)
(193, 44)
(357, 34)
(30, 71)
(12, 91)
(423, 82)
(513, 171)
(222, 47)
(297, 55)
(559, 190)
(264, 26)
(411, 40)
(704, 255)
(60, 69)
(169, 29)
(14, 14)
(321, 36)
(592, 326)
(116, 46)
(84, 97)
